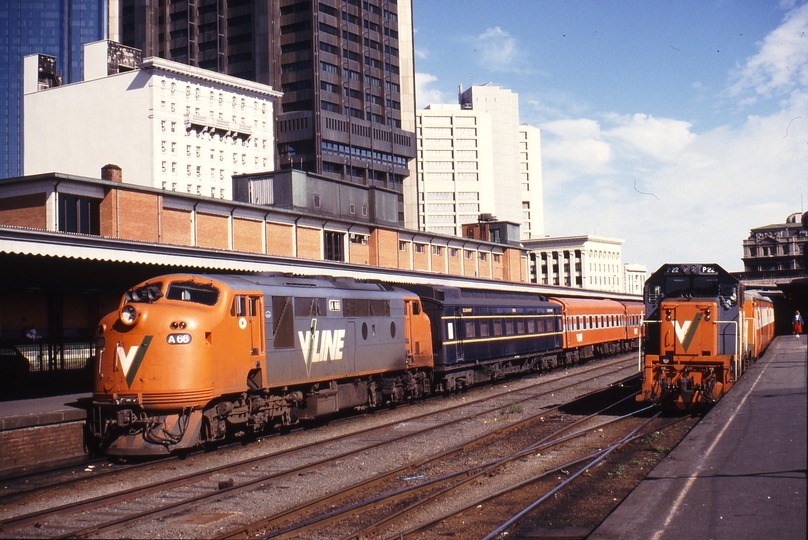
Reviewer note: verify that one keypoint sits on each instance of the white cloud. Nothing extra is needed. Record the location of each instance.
(780, 65)
(425, 93)
(662, 138)
(676, 195)
(498, 50)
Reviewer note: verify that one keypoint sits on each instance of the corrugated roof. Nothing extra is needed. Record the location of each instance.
(35, 242)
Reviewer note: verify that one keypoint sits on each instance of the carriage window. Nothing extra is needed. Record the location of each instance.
(531, 326)
(311, 307)
(207, 295)
(497, 328)
(484, 329)
(469, 329)
(284, 319)
(379, 308)
(520, 327)
(416, 308)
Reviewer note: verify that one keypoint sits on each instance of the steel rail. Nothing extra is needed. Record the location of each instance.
(18, 522)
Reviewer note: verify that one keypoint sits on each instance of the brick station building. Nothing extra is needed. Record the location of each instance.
(70, 246)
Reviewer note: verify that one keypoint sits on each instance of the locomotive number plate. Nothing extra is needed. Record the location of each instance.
(178, 339)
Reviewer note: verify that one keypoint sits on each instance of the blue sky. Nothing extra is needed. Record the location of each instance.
(675, 125)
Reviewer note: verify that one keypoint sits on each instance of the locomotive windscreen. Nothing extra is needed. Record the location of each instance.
(687, 286)
(197, 293)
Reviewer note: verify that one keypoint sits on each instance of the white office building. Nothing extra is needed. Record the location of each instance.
(165, 124)
(634, 278)
(586, 262)
(474, 158)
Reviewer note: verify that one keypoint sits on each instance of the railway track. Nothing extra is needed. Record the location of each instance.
(201, 493)
(381, 508)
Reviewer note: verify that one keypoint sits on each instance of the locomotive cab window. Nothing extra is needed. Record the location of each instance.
(207, 295)
(244, 306)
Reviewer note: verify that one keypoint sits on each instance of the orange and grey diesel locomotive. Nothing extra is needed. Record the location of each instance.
(193, 359)
(702, 332)
(188, 359)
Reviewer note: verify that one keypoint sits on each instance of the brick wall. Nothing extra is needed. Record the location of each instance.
(280, 240)
(484, 266)
(383, 250)
(175, 227)
(137, 216)
(25, 211)
(41, 446)
(358, 253)
(247, 235)
(308, 243)
(439, 261)
(456, 263)
(107, 214)
(212, 231)
(420, 260)
(469, 263)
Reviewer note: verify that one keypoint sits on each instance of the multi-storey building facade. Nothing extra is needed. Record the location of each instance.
(634, 278)
(587, 262)
(474, 158)
(532, 223)
(345, 68)
(57, 28)
(776, 252)
(167, 125)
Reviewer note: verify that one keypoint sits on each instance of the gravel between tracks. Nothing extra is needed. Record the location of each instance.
(226, 513)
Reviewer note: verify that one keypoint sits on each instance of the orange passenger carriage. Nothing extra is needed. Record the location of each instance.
(702, 332)
(594, 327)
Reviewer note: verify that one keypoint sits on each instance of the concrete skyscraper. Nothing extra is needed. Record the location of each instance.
(474, 158)
(345, 68)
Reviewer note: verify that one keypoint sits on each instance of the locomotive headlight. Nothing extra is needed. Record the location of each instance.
(129, 315)
(707, 315)
(667, 314)
(101, 329)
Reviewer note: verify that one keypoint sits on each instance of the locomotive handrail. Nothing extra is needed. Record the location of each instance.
(642, 322)
(735, 359)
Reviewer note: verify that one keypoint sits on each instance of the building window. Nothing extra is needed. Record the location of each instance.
(333, 246)
(437, 250)
(79, 214)
(402, 246)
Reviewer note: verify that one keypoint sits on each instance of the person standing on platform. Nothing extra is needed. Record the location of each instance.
(797, 322)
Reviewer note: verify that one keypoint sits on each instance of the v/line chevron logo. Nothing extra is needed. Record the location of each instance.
(687, 331)
(130, 360)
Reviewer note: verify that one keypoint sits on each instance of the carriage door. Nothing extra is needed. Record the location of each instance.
(250, 312)
(455, 326)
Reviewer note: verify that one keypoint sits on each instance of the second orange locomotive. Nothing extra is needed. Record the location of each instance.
(702, 332)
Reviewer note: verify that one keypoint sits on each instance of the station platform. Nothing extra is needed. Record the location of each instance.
(741, 472)
(41, 433)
